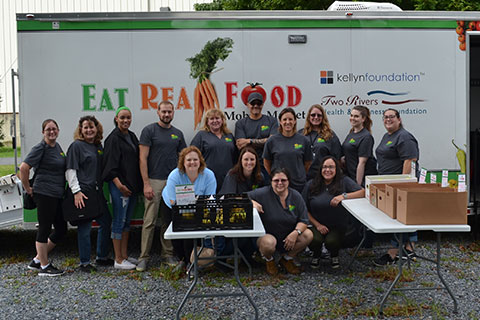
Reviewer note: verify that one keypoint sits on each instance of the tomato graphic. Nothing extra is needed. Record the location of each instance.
(459, 30)
(471, 25)
(253, 87)
(477, 25)
(461, 23)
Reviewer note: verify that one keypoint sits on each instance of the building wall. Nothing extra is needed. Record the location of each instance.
(8, 30)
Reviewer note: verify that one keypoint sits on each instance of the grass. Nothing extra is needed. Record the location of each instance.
(8, 152)
(7, 169)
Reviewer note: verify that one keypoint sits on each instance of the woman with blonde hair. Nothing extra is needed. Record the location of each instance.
(323, 140)
(217, 144)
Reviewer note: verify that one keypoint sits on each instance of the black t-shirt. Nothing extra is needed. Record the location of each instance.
(394, 149)
(357, 145)
(86, 158)
(232, 184)
(50, 177)
(319, 205)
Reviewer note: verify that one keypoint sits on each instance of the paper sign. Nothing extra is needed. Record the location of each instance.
(444, 178)
(413, 169)
(185, 194)
(423, 175)
(433, 178)
(462, 187)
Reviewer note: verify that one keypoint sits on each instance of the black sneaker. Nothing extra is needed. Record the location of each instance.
(315, 263)
(50, 271)
(34, 266)
(335, 263)
(88, 268)
(408, 254)
(384, 260)
(105, 262)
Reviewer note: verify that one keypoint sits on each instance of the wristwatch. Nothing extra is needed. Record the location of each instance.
(344, 195)
(298, 231)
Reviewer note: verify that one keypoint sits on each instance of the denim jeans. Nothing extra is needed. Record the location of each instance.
(103, 238)
(122, 211)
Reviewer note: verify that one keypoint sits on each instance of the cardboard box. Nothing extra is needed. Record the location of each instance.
(391, 194)
(418, 206)
(377, 196)
(393, 178)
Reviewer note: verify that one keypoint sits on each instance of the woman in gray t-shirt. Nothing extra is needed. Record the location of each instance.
(48, 159)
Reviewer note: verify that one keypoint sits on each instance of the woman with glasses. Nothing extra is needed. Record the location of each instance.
(329, 219)
(284, 216)
(289, 150)
(358, 146)
(48, 159)
(323, 140)
(395, 154)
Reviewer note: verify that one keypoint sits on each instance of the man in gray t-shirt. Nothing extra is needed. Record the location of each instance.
(255, 129)
(160, 144)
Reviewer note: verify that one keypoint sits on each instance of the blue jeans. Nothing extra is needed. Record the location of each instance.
(103, 239)
(122, 211)
(407, 237)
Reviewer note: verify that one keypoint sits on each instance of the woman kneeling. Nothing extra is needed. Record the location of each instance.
(285, 218)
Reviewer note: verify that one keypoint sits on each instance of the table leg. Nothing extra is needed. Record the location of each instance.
(354, 255)
(195, 279)
(399, 274)
(237, 277)
(441, 277)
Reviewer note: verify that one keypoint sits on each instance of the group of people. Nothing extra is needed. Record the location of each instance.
(293, 177)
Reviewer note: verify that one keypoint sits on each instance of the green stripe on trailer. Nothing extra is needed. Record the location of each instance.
(34, 25)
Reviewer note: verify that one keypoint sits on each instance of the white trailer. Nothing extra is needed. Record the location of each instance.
(71, 65)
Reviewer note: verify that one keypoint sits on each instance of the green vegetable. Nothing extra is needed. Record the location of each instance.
(203, 63)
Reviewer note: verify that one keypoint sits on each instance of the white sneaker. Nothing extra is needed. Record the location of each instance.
(124, 265)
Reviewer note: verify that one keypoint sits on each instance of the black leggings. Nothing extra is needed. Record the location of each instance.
(49, 212)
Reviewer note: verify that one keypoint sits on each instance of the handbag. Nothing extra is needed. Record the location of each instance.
(95, 206)
(28, 202)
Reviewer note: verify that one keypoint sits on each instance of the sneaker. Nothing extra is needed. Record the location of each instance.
(384, 260)
(289, 266)
(407, 254)
(335, 263)
(124, 265)
(315, 263)
(170, 261)
(104, 262)
(271, 267)
(142, 265)
(33, 265)
(132, 260)
(50, 271)
(325, 253)
(88, 268)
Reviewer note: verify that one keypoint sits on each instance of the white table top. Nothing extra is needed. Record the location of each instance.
(257, 231)
(379, 222)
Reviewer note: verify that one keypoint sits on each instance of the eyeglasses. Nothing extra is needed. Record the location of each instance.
(328, 167)
(256, 103)
(389, 117)
(316, 115)
(279, 180)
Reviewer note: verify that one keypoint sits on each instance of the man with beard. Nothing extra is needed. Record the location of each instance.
(255, 129)
(160, 144)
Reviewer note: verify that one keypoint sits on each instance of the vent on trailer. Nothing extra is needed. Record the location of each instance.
(362, 6)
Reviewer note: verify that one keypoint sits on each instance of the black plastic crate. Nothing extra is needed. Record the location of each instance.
(233, 212)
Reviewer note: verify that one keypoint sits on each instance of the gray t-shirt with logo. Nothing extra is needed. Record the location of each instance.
(290, 153)
(359, 144)
(165, 145)
(394, 149)
(248, 128)
(50, 178)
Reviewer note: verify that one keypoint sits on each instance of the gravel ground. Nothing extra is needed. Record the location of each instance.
(315, 294)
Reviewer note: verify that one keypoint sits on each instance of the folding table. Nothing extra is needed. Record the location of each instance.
(257, 231)
(379, 222)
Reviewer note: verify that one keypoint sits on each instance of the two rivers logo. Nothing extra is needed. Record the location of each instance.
(393, 94)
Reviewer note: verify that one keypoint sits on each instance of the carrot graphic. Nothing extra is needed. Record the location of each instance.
(201, 67)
